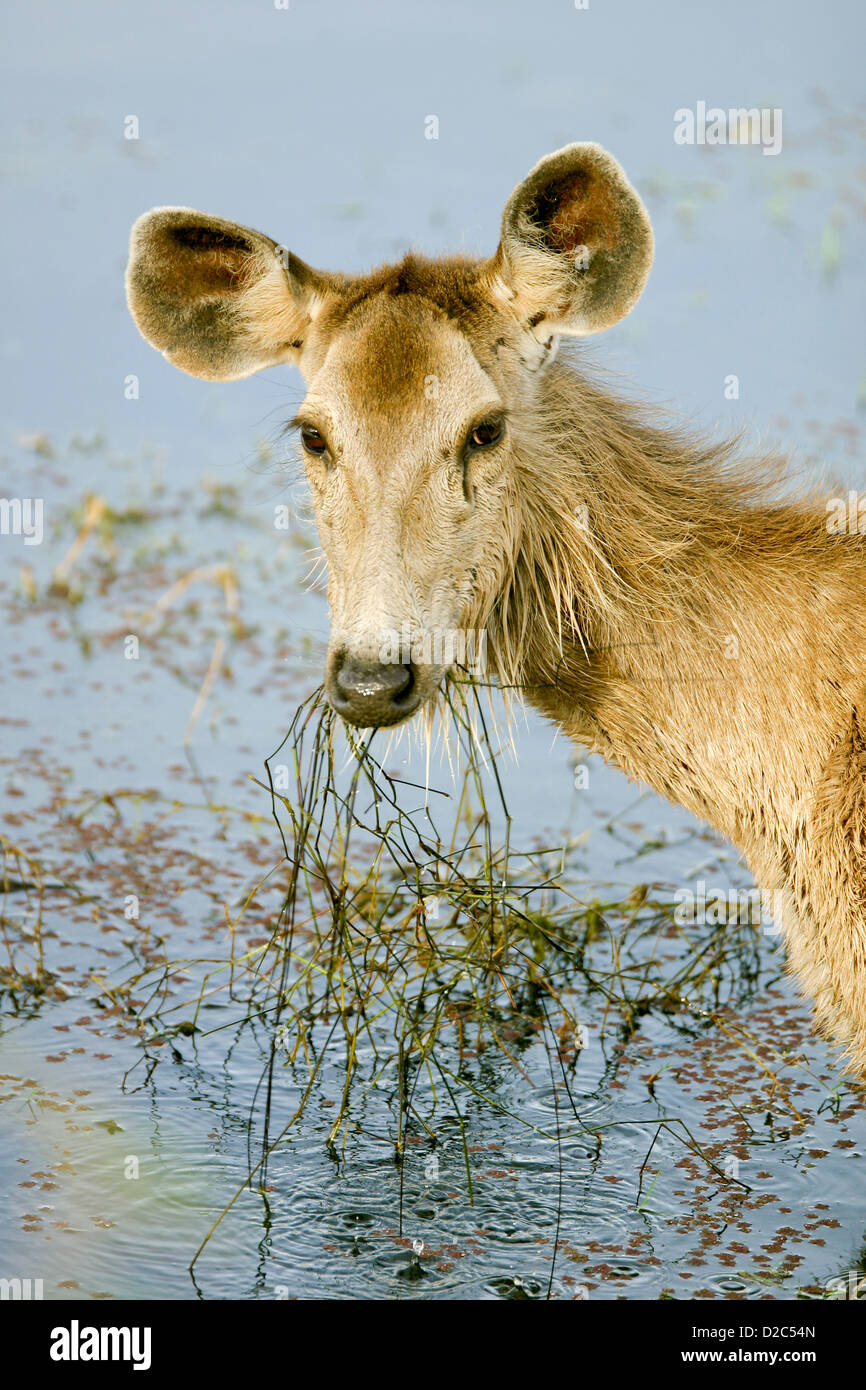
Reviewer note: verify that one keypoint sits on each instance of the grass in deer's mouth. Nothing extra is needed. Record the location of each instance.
(418, 968)
(413, 939)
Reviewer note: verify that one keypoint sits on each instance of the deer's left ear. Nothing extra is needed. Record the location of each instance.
(576, 245)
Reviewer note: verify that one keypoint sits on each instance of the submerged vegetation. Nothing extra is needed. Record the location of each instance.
(413, 938)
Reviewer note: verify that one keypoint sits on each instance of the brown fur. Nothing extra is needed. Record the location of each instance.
(646, 591)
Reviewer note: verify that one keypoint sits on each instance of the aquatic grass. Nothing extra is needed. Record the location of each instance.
(413, 939)
(402, 957)
(22, 933)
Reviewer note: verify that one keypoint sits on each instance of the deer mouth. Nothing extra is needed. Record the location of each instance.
(373, 694)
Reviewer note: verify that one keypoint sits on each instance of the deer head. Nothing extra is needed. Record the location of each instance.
(423, 383)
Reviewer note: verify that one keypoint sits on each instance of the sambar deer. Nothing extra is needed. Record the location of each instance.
(656, 599)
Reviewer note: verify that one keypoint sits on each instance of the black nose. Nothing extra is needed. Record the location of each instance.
(372, 693)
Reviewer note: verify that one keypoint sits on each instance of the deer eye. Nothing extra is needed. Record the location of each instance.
(313, 441)
(487, 433)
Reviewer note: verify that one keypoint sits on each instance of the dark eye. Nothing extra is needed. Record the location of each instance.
(312, 441)
(487, 433)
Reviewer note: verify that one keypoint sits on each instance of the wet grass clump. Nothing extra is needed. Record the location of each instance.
(413, 941)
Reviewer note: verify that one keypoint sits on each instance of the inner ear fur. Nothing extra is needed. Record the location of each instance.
(219, 300)
(576, 245)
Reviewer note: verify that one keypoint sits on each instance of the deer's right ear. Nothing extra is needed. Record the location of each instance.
(218, 300)
(576, 246)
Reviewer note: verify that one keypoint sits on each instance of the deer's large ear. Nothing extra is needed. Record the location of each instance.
(576, 245)
(219, 300)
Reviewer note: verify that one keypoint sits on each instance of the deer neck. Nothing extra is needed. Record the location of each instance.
(667, 615)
